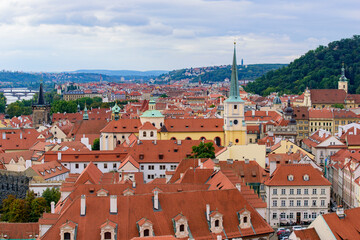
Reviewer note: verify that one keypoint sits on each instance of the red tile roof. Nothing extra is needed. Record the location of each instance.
(50, 169)
(194, 125)
(306, 234)
(332, 96)
(19, 230)
(122, 125)
(280, 176)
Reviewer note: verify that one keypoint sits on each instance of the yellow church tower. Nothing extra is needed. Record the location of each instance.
(343, 83)
(234, 120)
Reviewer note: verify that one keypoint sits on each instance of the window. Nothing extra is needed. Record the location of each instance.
(274, 203)
(235, 106)
(274, 215)
(283, 203)
(142, 167)
(151, 176)
(305, 215)
(323, 191)
(291, 203)
(298, 191)
(162, 167)
(282, 215)
(217, 223)
(151, 167)
(146, 232)
(291, 191)
(313, 215)
(313, 203)
(161, 156)
(162, 176)
(182, 228)
(76, 165)
(314, 191)
(85, 165)
(144, 134)
(306, 191)
(306, 203)
(151, 134)
(283, 191)
(105, 165)
(67, 236)
(245, 219)
(322, 203)
(291, 215)
(107, 235)
(173, 167)
(275, 191)
(298, 203)
(236, 122)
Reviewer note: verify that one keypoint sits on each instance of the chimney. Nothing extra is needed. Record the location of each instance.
(199, 162)
(21, 136)
(208, 212)
(238, 186)
(156, 200)
(216, 168)
(52, 207)
(253, 113)
(340, 212)
(215, 160)
(218, 237)
(179, 142)
(113, 204)
(155, 142)
(59, 156)
(134, 184)
(230, 161)
(246, 161)
(272, 167)
(181, 175)
(82, 205)
(3, 135)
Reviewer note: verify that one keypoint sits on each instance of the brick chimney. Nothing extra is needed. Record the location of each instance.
(156, 200)
(340, 212)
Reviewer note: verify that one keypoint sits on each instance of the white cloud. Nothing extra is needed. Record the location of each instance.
(57, 35)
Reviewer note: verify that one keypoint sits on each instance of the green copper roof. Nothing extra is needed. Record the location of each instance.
(116, 108)
(234, 85)
(152, 113)
(343, 78)
(85, 115)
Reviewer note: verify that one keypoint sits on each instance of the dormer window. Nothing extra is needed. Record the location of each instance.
(68, 230)
(216, 222)
(290, 177)
(181, 226)
(108, 230)
(306, 177)
(145, 227)
(244, 218)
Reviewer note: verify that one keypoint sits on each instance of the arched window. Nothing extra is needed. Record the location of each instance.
(182, 228)
(146, 232)
(217, 223)
(217, 141)
(67, 236)
(173, 138)
(188, 138)
(118, 142)
(107, 235)
(202, 138)
(144, 134)
(151, 134)
(245, 219)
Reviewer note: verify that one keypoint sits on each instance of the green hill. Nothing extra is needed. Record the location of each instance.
(219, 73)
(317, 69)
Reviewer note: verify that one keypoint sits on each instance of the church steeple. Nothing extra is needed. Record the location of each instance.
(234, 95)
(343, 77)
(343, 83)
(85, 115)
(41, 100)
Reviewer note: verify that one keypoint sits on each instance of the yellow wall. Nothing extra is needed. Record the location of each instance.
(285, 147)
(192, 135)
(242, 152)
(231, 136)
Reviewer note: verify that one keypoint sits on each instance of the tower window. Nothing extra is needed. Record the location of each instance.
(107, 235)
(236, 122)
(182, 227)
(67, 236)
(217, 223)
(235, 106)
(146, 233)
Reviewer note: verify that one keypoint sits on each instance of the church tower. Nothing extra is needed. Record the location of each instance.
(41, 110)
(343, 83)
(234, 121)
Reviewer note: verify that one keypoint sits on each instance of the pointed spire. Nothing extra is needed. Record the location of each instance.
(343, 77)
(234, 95)
(85, 115)
(41, 100)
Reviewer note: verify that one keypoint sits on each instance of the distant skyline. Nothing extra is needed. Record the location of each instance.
(64, 35)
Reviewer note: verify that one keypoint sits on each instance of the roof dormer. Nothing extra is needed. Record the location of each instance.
(290, 177)
(68, 230)
(181, 226)
(216, 222)
(306, 177)
(128, 192)
(102, 193)
(145, 227)
(244, 218)
(108, 230)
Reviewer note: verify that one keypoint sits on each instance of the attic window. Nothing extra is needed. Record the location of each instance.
(171, 126)
(161, 156)
(96, 156)
(135, 127)
(216, 126)
(118, 156)
(115, 127)
(290, 177)
(124, 127)
(141, 156)
(76, 156)
(186, 126)
(306, 177)
(202, 126)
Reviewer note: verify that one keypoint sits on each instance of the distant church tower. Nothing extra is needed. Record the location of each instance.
(343, 83)
(41, 110)
(234, 121)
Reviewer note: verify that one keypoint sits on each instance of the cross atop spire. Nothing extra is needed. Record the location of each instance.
(234, 95)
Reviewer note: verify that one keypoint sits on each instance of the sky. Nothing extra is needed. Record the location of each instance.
(66, 35)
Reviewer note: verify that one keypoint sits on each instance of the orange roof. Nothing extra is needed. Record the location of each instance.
(123, 125)
(307, 234)
(194, 125)
(280, 176)
(19, 230)
(147, 126)
(49, 169)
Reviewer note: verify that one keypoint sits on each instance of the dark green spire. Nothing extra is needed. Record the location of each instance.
(85, 115)
(41, 100)
(343, 77)
(234, 95)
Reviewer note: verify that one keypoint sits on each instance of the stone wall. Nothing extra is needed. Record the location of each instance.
(13, 183)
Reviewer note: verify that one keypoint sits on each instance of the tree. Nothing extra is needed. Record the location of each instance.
(338, 105)
(96, 144)
(163, 95)
(2, 103)
(203, 150)
(19, 108)
(38, 207)
(51, 195)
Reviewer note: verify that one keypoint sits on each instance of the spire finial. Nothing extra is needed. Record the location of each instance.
(343, 77)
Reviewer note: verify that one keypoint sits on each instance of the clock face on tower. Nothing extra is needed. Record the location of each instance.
(236, 122)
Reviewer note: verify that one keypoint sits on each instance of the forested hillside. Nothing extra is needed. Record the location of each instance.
(320, 68)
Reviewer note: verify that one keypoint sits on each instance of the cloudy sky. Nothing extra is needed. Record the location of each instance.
(65, 35)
